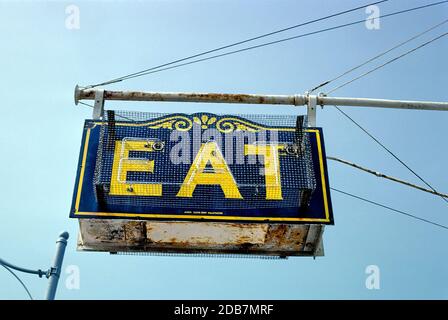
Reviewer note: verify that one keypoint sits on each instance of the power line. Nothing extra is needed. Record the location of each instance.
(387, 62)
(390, 208)
(388, 151)
(18, 279)
(377, 56)
(382, 175)
(235, 44)
(159, 69)
(86, 104)
(117, 115)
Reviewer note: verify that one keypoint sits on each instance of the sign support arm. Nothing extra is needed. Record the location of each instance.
(292, 100)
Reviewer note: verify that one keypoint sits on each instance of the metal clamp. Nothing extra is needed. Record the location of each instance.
(311, 112)
(98, 108)
(51, 271)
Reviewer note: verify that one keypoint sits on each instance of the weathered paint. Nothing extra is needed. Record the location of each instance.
(117, 235)
(89, 94)
(296, 100)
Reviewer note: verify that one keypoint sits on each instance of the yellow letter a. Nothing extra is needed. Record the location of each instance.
(221, 175)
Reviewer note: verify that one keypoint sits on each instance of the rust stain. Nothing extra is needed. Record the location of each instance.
(107, 94)
(276, 233)
(198, 97)
(286, 237)
(221, 97)
(244, 239)
(245, 246)
(145, 235)
(135, 232)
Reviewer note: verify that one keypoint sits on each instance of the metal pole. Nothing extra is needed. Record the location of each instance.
(294, 100)
(383, 103)
(191, 97)
(39, 272)
(55, 270)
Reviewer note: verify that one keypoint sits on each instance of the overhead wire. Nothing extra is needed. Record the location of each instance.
(382, 175)
(18, 279)
(117, 115)
(325, 83)
(236, 44)
(160, 68)
(390, 208)
(386, 63)
(389, 151)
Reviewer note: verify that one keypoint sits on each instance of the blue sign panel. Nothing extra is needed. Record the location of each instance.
(202, 167)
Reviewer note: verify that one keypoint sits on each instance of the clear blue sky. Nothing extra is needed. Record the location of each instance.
(41, 61)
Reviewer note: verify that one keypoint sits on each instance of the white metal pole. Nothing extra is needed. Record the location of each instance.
(294, 100)
(383, 103)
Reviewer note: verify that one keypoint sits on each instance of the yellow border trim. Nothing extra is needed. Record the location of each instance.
(201, 217)
(83, 167)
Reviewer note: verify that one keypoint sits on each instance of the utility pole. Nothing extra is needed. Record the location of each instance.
(55, 270)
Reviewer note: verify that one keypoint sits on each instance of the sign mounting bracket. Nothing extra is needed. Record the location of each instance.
(311, 110)
(98, 108)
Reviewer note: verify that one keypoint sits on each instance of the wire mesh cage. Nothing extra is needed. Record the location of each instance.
(203, 161)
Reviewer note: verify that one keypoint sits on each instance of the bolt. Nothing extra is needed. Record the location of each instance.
(158, 146)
